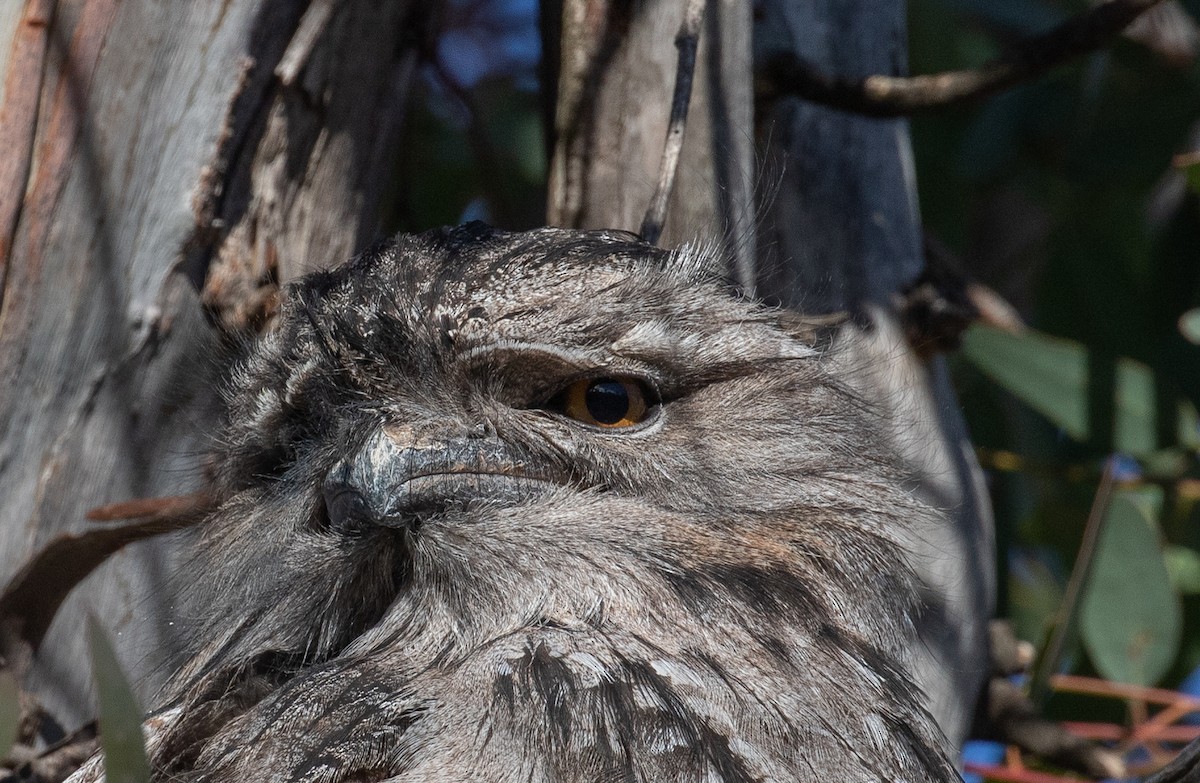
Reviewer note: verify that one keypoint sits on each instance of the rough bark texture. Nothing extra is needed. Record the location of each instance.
(614, 98)
(838, 230)
(160, 159)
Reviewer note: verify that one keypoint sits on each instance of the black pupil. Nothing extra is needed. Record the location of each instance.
(607, 400)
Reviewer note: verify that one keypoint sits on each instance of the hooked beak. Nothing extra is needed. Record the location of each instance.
(391, 483)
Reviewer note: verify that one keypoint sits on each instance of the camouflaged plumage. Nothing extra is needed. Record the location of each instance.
(422, 570)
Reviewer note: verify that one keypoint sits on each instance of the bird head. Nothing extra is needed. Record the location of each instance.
(468, 451)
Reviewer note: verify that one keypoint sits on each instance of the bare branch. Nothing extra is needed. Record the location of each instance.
(784, 73)
(312, 24)
(686, 41)
(31, 598)
(1064, 623)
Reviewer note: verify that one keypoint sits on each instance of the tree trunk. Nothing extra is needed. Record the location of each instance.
(161, 163)
(838, 231)
(617, 73)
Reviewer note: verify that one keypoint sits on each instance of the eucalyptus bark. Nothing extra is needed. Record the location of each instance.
(163, 168)
(616, 72)
(838, 230)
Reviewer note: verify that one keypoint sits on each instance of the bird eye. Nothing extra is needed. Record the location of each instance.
(611, 403)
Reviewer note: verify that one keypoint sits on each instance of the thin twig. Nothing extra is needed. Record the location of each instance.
(686, 41)
(1064, 626)
(1015, 775)
(299, 49)
(1013, 718)
(1152, 729)
(1114, 732)
(1091, 686)
(784, 73)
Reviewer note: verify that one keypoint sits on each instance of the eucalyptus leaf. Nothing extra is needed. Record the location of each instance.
(120, 716)
(1189, 322)
(1192, 173)
(1035, 591)
(1131, 620)
(1052, 376)
(10, 713)
(1183, 565)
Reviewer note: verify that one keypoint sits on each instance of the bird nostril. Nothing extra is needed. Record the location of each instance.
(478, 430)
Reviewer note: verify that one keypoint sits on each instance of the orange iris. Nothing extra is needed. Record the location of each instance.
(606, 402)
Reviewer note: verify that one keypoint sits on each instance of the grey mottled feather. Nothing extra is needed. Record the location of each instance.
(717, 595)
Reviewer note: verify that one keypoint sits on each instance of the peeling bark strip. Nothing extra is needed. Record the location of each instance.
(36, 200)
(31, 599)
(18, 119)
(157, 139)
(258, 224)
(618, 65)
(312, 24)
(686, 41)
(590, 34)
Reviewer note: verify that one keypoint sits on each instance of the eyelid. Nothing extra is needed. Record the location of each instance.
(541, 384)
(488, 351)
(560, 385)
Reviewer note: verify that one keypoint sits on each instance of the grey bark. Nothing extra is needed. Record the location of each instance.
(169, 159)
(838, 229)
(614, 98)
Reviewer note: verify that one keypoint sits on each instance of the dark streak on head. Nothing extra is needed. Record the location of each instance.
(554, 682)
(774, 646)
(504, 693)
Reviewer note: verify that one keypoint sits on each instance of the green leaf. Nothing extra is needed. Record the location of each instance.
(1132, 618)
(1183, 565)
(120, 717)
(1192, 173)
(1034, 593)
(10, 713)
(1189, 322)
(1052, 376)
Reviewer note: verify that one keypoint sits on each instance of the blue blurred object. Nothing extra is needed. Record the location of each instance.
(1191, 686)
(1135, 757)
(981, 752)
(476, 209)
(487, 38)
(1125, 467)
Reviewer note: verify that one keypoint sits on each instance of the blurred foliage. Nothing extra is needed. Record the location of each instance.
(10, 714)
(1092, 399)
(473, 147)
(1066, 197)
(120, 717)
